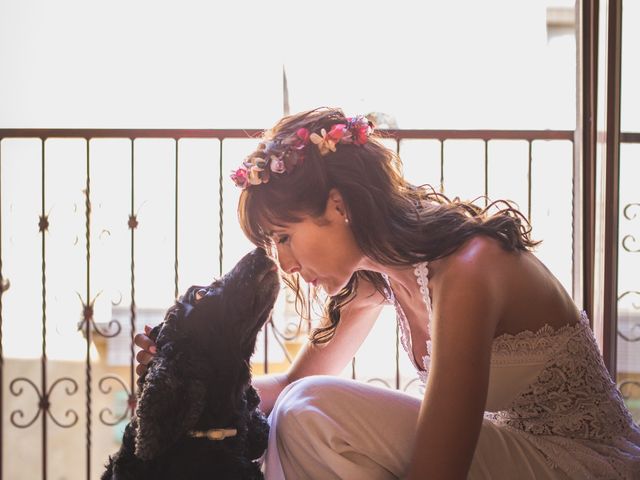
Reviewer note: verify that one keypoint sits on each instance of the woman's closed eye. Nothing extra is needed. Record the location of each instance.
(282, 239)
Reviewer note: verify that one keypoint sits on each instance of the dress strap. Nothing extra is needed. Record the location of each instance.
(422, 275)
(402, 322)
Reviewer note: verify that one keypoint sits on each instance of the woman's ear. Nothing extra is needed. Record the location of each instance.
(336, 206)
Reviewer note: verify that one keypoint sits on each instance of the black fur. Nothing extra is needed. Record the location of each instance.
(200, 379)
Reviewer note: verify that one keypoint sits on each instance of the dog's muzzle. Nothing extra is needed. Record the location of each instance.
(214, 433)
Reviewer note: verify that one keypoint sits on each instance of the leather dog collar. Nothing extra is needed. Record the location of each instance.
(214, 433)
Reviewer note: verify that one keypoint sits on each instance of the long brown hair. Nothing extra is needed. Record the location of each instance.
(393, 221)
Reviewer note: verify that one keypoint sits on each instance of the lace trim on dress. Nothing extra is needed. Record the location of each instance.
(422, 276)
(421, 271)
(529, 346)
(403, 323)
(573, 410)
(573, 396)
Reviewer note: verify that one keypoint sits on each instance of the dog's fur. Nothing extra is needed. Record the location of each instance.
(200, 379)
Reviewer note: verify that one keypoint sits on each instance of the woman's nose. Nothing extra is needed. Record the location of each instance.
(287, 262)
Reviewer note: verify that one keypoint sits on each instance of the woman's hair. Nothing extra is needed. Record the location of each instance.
(393, 221)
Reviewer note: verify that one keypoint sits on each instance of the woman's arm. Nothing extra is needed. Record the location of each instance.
(269, 387)
(467, 302)
(356, 321)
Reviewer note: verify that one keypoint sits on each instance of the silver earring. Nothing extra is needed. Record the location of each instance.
(346, 220)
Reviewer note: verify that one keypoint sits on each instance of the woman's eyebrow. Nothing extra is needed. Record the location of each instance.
(271, 233)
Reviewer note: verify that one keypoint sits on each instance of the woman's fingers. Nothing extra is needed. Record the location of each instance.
(144, 342)
(148, 347)
(144, 357)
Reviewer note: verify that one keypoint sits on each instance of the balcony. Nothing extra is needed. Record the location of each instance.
(101, 229)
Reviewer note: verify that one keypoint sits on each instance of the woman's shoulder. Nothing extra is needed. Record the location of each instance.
(526, 293)
(481, 254)
(481, 265)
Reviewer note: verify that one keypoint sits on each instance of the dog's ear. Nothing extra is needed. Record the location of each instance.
(168, 406)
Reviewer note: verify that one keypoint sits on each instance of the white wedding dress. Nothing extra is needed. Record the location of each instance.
(551, 388)
(552, 412)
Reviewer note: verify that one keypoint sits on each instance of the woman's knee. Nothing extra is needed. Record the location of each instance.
(309, 392)
(306, 401)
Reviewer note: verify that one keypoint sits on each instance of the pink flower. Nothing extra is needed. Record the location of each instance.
(337, 131)
(360, 128)
(299, 140)
(303, 134)
(361, 135)
(239, 177)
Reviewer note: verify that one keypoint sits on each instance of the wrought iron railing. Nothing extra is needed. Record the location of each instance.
(629, 257)
(94, 331)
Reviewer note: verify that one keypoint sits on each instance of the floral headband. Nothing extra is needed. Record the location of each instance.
(282, 156)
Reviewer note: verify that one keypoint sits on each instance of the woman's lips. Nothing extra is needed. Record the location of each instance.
(314, 282)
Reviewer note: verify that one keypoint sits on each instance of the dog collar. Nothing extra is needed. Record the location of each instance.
(214, 433)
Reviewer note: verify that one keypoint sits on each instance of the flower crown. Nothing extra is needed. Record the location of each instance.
(282, 156)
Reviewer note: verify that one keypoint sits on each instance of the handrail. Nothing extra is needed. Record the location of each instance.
(249, 133)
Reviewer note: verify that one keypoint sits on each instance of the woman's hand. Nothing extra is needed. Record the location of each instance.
(148, 347)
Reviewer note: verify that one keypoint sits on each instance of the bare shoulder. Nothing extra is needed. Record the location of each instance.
(480, 257)
(521, 291)
(475, 278)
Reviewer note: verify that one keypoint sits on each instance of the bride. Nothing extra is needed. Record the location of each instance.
(515, 384)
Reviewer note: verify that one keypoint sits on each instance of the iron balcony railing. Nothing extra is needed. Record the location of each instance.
(40, 406)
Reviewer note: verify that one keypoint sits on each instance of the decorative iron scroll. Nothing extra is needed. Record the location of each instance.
(131, 402)
(43, 402)
(87, 316)
(628, 387)
(629, 241)
(633, 335)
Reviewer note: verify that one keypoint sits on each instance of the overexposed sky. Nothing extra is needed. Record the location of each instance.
(200, 64)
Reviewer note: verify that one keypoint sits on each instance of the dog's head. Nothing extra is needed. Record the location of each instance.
(201, 371)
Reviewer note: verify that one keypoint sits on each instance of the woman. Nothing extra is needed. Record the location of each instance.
(515, 385)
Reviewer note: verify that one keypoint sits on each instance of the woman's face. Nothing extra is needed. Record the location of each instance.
(323, 250)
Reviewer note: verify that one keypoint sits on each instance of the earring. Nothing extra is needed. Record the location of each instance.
(346, 220)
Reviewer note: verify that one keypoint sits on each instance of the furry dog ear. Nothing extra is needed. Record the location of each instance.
(168, 406)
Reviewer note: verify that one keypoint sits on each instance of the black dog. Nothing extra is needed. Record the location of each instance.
(197, 415)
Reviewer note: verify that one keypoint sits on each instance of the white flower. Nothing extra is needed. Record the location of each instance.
(325, 144)
(254, 175)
